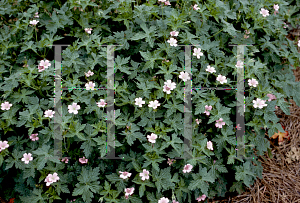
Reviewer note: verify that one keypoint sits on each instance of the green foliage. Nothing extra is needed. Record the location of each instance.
(140, 70)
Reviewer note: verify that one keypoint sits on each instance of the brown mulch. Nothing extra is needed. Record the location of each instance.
(281, 173)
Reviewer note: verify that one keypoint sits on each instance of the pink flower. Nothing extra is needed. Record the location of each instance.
(172, 42)
(184, 76)
(73, 108)
(33, 22)
(36, 15)
(239, 64)
(206, 109)
(221, 79)
(210, 69)
(128, 191)
(198, 121)
(246, 36)
(89, 73)
(88, 30)
(187, 168)
(125, 175)
(34, 137)
(5, 106)
(174, 201)
(41, 68)
(3, 145)
(144, 175)
(195, 7)
(169, 86)
(90, 86)
(73, 200)
(201, 198)
(209, 145)
(259, 103)
(101, 103)
(154, 104)
(45, 63)
(49, 113)
(197, 52)
(167, 3)
(65, 159)
(271, 97)
(51, 179)
(174, 33)
(83, 160)
(170, 161)
(163, 200)
(276, 7)
(139, 101)
(27, 157)
(152, 138)
(220, 123)
(252, 82)
(264, 12)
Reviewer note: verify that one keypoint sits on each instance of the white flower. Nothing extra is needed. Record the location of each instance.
(89, 73)
(187, 168)
(221, 79)
(26, 158)
(101, 103)
(73, 108)
(197, 52)
(252, 82)
(239, 64)
(210, 145)
(3, 145)
(172, 42)
(210, 69)
(195, 7)
(152, 138)
(299, 43)
(88, 30)
(276, 7)
(33, 22)
(154, 104)
(169, 86)
(259, 103)
(6, 106)
(49, 113)
(90, 86)
(145, 174)
(184, 76)
(174, 33)
(139, 101)
(264, 12)
(163, 200)
(125, 175)
(162, 0)
(36, 15)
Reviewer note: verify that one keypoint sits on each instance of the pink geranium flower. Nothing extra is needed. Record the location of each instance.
(128, 191)
(6, 106)
(73, 108)
(89, 73)
(221, 79)
(27, 157)
(167, 3)
(172, 42)
(101, 103)
(124, 175)
(202, 198)
(3, 145)
(187, 168)
(139, 101)
(154, 104)
(88, 30)
(90, 86)
(144, 175)
(195, 7)
(210, 69)
(259, 103)
(184, 76)
(252, 82)
(220, 123)
(51, 179)
(207, 109)
(65, 159)
(49, 113)
(152, 137)
(33, 22)
(197, 52)
(210, 145)
(174, 33)
(264, 12)
(239, 64)
(34, 137)
(83, 160)
(163, 200)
